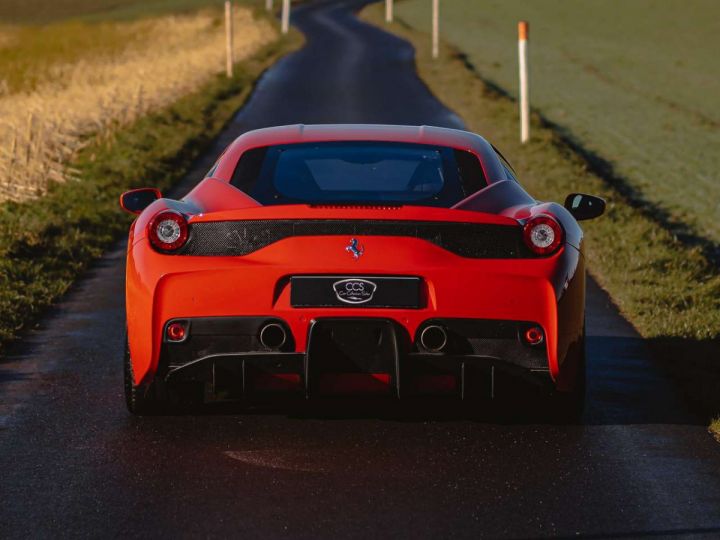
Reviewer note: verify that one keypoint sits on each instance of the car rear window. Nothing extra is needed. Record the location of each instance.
(358, 173)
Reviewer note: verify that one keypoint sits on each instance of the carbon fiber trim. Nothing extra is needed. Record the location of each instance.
(472, 240)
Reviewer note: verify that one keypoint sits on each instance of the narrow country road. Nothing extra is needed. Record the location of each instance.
(73, 462)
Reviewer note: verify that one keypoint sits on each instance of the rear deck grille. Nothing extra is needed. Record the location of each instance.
(472, 240)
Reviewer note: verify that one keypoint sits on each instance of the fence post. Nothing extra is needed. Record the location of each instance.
(285, 16)
(229, 60)
(269, 5)
(435, 28)
(523, 31)
(388, 11)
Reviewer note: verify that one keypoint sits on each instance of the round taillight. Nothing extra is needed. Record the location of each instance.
(168, 231)
(543, 235)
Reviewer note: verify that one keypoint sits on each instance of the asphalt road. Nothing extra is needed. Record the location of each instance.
(73, 462)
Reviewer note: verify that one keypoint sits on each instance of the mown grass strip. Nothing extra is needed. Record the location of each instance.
(670, 291)
(45, 244)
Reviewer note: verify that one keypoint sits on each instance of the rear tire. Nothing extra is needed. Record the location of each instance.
(521, 399)
(570, 405)
(138, 399)
(158, 397)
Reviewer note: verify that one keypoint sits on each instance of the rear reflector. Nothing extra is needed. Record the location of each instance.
(534, 335)
(175, 332)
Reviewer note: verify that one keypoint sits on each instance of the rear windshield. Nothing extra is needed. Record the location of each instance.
(358, 173)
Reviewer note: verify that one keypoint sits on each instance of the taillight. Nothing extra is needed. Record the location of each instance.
(168, 231)
(543, 235)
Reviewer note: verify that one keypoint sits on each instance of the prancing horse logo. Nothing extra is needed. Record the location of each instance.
(355, 248)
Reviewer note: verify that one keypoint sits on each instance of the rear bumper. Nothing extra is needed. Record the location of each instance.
(351, 355)
(162, 288)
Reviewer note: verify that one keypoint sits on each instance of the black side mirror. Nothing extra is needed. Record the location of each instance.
(583, 206)
(137, 200)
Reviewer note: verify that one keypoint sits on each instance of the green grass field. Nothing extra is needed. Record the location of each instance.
(634, 82)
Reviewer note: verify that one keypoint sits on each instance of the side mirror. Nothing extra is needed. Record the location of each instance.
(583, 206)
(137, 200)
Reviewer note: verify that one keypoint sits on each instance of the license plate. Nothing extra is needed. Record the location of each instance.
(355, 291)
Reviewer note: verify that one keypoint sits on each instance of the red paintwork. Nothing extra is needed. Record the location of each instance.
(549, 291)
(350, 383)
(278, 382)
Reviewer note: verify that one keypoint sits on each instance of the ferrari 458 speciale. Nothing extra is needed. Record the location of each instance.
(330, 260)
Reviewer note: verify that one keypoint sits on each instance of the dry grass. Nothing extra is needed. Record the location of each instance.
(42, 130)
(8, 37)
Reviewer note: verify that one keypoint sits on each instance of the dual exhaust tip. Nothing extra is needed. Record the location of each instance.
(433, 338)
(272, 336)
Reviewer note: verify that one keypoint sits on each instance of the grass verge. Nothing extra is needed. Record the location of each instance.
(715, 428)
(670, 291)
(45, 244)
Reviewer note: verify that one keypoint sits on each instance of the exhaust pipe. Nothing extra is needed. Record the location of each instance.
(272, 336)
(433, 338)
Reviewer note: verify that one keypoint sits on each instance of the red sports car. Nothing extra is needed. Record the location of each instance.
(354, 259)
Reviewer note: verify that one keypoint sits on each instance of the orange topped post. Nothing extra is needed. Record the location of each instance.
(523, 31)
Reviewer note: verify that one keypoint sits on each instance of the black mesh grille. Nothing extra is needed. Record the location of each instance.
(473, 240)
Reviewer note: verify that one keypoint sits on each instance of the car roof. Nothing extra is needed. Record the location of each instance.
(301, 133)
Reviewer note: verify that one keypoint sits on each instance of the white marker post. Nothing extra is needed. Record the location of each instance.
(523, 30)
(435, 28)
(229, 60)
(388, 11)
(268, 5)
(285, 16)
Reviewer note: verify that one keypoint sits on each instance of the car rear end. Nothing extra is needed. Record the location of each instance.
(349, 273)
(422, 305)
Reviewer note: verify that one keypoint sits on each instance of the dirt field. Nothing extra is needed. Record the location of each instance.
(634, 82)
